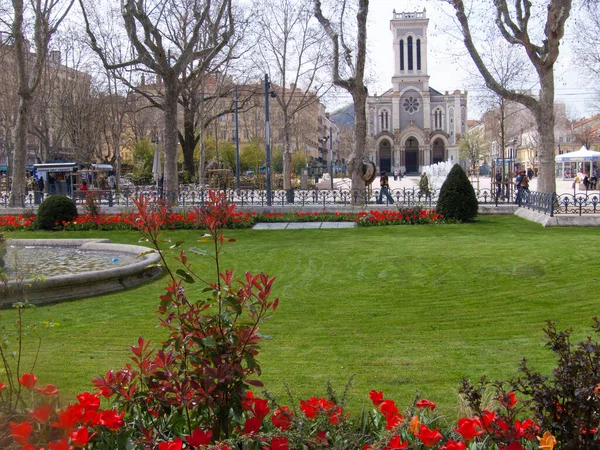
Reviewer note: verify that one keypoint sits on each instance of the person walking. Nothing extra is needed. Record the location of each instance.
(424, 185)
(40, 184)
(385, 188)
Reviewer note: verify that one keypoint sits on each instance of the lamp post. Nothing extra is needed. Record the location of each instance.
(331, 157)
(267, 140)
(237, 143)
(268, 136)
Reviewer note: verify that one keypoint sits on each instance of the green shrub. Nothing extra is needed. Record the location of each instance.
(55, 209)
(457, 198)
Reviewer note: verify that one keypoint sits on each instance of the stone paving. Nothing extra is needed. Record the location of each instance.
(302, 225)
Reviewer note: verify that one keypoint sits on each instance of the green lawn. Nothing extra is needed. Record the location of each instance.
(401, 308)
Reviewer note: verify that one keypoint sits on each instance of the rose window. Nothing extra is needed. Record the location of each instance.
(411, 105)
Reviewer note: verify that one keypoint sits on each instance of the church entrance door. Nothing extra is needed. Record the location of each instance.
(385, 156)
(412, 155)
(438, 151)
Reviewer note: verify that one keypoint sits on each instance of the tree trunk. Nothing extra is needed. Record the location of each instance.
(360, 139)
(170, 182)
(189, 140)
(17, 193)
(545, 118)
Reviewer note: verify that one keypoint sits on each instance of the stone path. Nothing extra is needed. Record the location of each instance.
(302, 225)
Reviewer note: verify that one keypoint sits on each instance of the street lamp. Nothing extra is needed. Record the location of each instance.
(268, 136)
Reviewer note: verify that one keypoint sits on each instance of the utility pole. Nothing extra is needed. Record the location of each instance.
(237, 143)
(268, 139)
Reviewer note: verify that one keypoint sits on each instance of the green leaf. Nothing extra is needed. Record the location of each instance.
(185, 276)
(209, 342)
(250, 361)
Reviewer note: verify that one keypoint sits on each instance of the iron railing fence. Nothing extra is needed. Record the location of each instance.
(192, 195)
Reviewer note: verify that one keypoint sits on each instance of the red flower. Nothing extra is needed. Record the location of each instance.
(376, 397)
(429, 437)
(396, 443)
(28, 380)
(468, 428)
(390, 412)
(90, 402)
(175, 445)
(508, 400)
(21, 431)
(313, 406)
(515, 445)
(488, 417)
(279, 443)
(453, 445)
(41, 414)
(199, 437)
(252, 425)
(111, 420)
(70, 417)
(63, 444)
(81, 436)
(282, 418)
(426, 404)
(49, 390)
(2, 386)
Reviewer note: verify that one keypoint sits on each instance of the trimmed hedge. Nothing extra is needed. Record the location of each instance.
(55, 210)
(457, 198)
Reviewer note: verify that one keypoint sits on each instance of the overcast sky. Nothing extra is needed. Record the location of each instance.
(447, 71)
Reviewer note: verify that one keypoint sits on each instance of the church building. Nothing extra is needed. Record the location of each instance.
(412, 125)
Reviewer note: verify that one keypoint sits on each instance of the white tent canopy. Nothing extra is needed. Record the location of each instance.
(582, 160)
(581, 155)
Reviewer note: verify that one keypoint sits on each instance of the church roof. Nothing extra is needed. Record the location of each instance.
(434, 92)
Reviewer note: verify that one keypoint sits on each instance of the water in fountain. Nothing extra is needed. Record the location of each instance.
(437, 173)
(51, 261)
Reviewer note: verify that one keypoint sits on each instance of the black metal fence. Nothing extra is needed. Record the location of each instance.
(192, 195)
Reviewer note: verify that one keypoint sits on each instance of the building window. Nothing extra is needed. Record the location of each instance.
(384, 120)
(411, 105)
(410, 53)
(437, 119)
(401, 54)
(418, 54)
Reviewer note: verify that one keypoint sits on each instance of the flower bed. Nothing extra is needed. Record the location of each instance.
(190, 220)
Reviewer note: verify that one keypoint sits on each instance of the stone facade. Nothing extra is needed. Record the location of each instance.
(412, 125)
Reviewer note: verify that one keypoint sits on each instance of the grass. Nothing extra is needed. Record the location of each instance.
(401, 309)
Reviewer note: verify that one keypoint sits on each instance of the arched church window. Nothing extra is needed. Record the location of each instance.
(410, 52)
(437, 116)
(418, 54)
(411, 105)
(401, 54)
(384, 120)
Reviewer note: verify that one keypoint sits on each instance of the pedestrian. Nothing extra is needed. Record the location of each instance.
(40, 184)
(112, 181)
(385, 188)
(530, 173)
(424, 185)
(586, 182)
(499, 185)
(522, 186)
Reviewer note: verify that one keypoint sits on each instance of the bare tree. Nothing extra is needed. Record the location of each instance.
(165, 36)
(471, 148)
(350, 60)
(513, 24)
(47, 17)
(291, 51)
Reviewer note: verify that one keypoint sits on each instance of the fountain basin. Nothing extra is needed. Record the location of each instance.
(56, 288)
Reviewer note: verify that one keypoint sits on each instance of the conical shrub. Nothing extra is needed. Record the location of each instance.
(457, 198)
